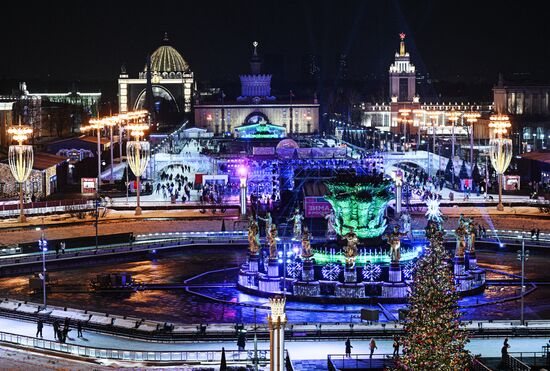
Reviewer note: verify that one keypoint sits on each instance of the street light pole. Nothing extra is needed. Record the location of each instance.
(522, 256)
(43, 244)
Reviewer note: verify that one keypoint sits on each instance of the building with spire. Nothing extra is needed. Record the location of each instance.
(171, 84)
(256, 112)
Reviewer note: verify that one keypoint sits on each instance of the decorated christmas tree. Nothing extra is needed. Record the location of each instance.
(433, 337)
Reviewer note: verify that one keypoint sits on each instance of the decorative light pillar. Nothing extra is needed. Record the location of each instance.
(500, 150)
(404, 114)
(243, 172)
(138, 152)
(276, 322)
(20, 159)
(420, 122)
(471, 118)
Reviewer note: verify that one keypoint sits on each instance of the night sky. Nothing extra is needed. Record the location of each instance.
(84, 40)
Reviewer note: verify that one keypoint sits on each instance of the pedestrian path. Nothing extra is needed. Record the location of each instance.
(298, 350)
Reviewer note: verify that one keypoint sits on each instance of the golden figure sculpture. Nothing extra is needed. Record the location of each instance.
(272, 239)
(253, 236)
(351, 248)
(306, 244)
(297, 219)
(460, 233)
(394, 239)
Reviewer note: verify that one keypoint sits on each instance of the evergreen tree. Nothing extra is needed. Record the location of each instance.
(433, 338)
(449, 170)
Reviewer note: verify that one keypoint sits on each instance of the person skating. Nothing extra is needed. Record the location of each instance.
(55, 329)
(39, 327)
(372, 347)
(395, 346)
(348, 347)
(79, 329)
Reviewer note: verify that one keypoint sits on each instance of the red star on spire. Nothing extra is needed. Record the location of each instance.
(402, 36)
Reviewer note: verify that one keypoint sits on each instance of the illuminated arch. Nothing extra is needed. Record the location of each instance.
(158, 91)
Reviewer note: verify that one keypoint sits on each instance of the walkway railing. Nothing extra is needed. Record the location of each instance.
(45, 207)
(202, 356)
(359, 361)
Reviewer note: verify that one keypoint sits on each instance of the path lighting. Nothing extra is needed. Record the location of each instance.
(138, 151)
(20, 159)
(500, 150)
(471, 118)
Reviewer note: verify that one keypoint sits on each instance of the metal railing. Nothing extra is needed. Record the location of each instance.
(359, 361)
(202, 356)
(45, 207)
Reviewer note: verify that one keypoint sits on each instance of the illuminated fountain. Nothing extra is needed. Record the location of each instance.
(363, 261)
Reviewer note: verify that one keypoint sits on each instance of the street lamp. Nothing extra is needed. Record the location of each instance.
(138, 153)
(471, 118)
(523, 255)
(20, 159)
(404, 114)
(500, 150)
(419, 122)
(433, 115)
(111, 122)
(43, 246)
(243, 173)
(97, 125)
(453, 117)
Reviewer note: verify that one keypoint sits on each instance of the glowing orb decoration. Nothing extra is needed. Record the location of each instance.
(371, 272)
(501, 154)
(331, 271)
(433, 213)
(20, 159)
(139, 153)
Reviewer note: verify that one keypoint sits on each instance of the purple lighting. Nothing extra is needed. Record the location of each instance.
(243, 171)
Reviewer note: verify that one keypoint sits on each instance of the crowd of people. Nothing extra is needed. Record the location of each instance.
(175, 183)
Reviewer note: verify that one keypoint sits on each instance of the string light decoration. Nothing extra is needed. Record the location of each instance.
(138, 151)
(20, 160)
(293, 269)
(434, 339)
(371, 272)
(500, 150)
(331, 271)
(409, 269)
(433, 211)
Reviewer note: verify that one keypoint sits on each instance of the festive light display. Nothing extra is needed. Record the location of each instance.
(371, 272)
(257, 131)
(433, 338)
(433, 213)
(366, 255)
(331, 271)
(20, 160)
(359, 203)
(293, 269)
(409, 269)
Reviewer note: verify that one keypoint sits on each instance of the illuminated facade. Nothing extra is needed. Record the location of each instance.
(256, 106)
(385, 116)
(172, 82)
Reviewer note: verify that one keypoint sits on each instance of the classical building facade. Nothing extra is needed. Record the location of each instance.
(172, 84)
(256, 112)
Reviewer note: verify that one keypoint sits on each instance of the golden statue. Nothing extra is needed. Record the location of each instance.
(272, 239)
(460, 233)
(253, 236)
(394, 239)
(351, 248)
(297, 219)
(306, 245)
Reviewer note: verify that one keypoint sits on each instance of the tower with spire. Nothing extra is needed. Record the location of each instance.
(402, 75)
(256, 86)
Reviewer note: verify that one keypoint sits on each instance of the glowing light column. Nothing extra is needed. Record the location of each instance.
(453, 118)
(433, 115)
(138, 152)
(243, 172)
(276, 322)
(500, 150)
(111, 122)
(20, 159)
(404, 114)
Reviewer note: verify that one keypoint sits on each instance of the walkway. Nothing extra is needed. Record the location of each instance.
(298, 350)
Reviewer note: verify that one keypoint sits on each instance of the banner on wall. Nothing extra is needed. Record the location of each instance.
(316, 207)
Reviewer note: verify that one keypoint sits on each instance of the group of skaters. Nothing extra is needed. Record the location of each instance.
(372, 346)
(176, 187)
(60, 330)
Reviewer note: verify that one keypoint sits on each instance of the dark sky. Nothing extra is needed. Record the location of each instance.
(82, 40)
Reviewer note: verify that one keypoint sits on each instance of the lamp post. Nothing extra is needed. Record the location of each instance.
(420, 122)
(111, 122)
(471, 118)
(20, 160)
(96, 124)
(404, 119)
(243, 173)
(43, 245)
(138, 152)
(500, 150)
(453, 118)
(433, 115)
(522, 256)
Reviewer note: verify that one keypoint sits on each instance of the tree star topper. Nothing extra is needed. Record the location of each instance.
(402, 36)
(433, 213)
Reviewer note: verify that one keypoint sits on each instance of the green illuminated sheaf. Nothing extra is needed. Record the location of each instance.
(375, 257)
(359, 203)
